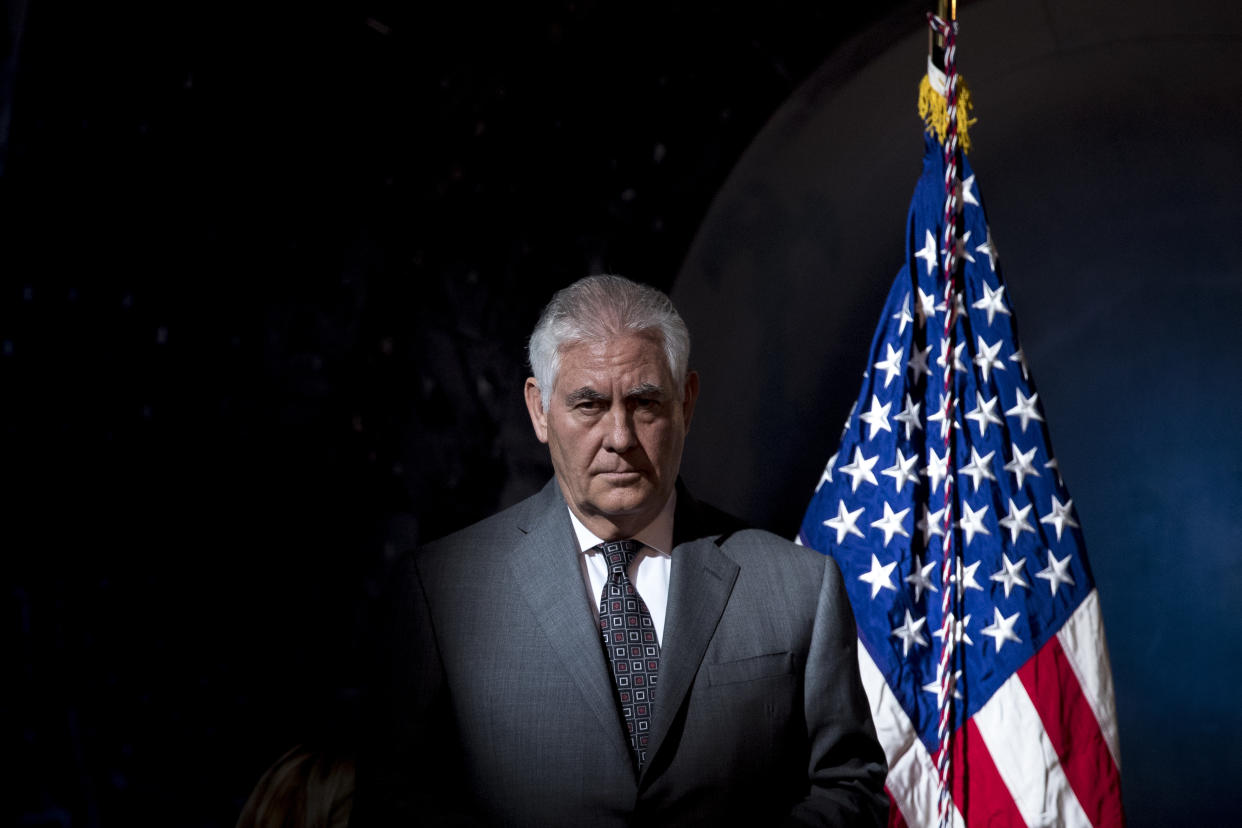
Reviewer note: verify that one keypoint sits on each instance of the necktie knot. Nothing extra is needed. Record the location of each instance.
(619, 555)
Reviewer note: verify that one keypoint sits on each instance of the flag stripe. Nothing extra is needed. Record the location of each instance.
(895, 819)
(911, 773)
(1074, 733)
(1082, 638)
(1026, 760)
(978, 788)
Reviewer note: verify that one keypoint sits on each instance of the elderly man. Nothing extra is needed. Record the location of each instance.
(609, 651)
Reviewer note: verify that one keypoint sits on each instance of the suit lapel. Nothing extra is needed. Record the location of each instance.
(546, 571)
(700, 583)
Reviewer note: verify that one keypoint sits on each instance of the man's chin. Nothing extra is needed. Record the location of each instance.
(621, 500)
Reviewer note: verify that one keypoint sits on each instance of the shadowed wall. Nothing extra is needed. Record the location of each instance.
(1108, 157)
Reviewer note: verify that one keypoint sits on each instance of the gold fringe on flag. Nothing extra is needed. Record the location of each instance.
(935, 113)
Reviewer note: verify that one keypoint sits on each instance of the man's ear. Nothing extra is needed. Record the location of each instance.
(534, 406)
(690, 394)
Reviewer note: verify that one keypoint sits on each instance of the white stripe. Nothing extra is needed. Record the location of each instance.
(1082, 639)
(911, 772)
(1026, 760)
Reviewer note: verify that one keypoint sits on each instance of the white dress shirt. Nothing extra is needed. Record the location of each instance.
(649, 570)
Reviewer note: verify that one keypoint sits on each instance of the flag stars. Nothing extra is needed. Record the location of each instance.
(985, 413)
(968, 197)
(846, 522)
(1016, 521)
(979, 468)
(934, 687)
(917, 364)
(972, 522)
(891, 523)
(902, 471)
(1020, 358)
(958, 365)
(1060, 517)
(1021, 465)
(1001, 628)
(993, 301)
(959, 302)
(1056, 573)
(918, 578)
(963, 250)
(1052, 464)
(1024, 408)
(945, 418)
(909, 417)
(986, 358)
(1010, 574)
(891, 364)
(903, 316)
(931, 524)
(880, 576)
(877, 418)
(937, 468)
(988, 248)
(860, 469)
(927, 307)
(928, 255)
(910, 632)
(959, 630)
(966, 576)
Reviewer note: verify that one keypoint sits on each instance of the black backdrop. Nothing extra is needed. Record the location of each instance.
(267, 272)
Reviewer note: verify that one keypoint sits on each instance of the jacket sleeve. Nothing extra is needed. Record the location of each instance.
(409, 765)
(846, 767)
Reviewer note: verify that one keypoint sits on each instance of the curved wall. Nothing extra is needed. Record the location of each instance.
(1109, 158)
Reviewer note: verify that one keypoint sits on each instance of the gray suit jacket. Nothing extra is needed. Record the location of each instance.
(500, 705)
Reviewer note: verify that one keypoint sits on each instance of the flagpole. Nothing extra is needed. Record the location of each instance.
(947, 30)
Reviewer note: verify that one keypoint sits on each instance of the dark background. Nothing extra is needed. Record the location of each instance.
(268, 269)
(267, 274)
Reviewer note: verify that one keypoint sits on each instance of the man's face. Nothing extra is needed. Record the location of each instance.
(615, 427)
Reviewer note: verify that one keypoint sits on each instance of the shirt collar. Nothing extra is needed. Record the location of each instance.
(657, 535)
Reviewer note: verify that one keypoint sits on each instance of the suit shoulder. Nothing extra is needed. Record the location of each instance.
(762, 543)
(498, 532)
(475, 533)
(741, 541)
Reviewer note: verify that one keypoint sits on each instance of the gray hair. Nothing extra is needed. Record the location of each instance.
(598, 308)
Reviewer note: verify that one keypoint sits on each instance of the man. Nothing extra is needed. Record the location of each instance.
(609, 651)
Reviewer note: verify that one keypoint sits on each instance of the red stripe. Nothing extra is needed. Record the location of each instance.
(1075, 734)
(895, 819)
(978, 790)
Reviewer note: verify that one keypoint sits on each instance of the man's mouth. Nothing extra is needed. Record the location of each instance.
(621, 475)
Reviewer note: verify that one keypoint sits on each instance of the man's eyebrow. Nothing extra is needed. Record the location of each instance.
(645, 389)
(583, 394)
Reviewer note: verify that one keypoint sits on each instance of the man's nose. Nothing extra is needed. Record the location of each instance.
(620, 437)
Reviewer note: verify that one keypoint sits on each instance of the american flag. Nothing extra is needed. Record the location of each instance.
(1035, 728)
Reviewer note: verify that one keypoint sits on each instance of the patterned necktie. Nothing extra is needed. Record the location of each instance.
(631, 642)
